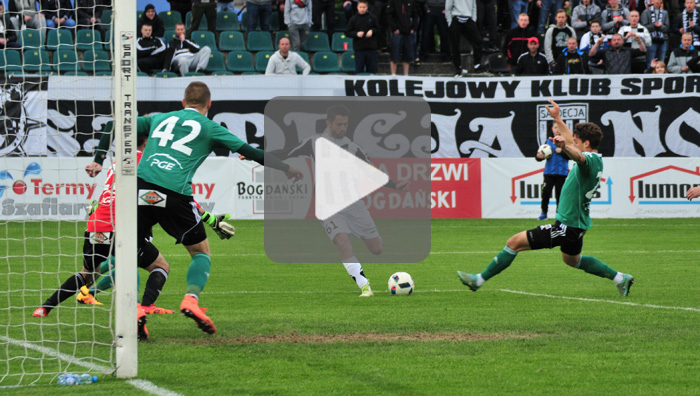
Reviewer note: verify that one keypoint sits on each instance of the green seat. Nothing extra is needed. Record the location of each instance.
(282, 33)
(240, 61)
(169, 36)
(227, 21)
(109, 39)
(261, 60)
(244, 21)
(139, 14)
(216, 62)
(59, 39)
(339, 39)
(65, 60)
(106, 17)
(96, 61)
(202, 22)
(347, 62)
(317, 42)
(142, 74)
(340, 21)
(260, 41)
(87, 40)
(231, 41)
(204, 38)
(170, 18)
(10, 61)
(305, 56)
(36, 61)
(325, 62)
(166, 75)
(30, 39)
(76, 73)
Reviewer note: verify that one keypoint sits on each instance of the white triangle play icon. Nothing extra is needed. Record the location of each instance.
(341, 178)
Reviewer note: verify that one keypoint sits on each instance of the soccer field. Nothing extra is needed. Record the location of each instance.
(538, 328)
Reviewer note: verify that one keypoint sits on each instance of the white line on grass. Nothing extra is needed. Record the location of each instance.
(602, 301)
(144, 385)
(150, 387)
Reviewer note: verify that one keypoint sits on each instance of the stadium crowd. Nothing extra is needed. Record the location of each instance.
(197, 37)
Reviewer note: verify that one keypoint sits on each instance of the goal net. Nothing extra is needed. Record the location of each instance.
(57, 91)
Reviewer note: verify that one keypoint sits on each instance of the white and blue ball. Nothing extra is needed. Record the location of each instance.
(545, 150)
(401, 284)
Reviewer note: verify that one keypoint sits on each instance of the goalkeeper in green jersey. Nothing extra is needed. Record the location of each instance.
(572, 219)
(179, 142)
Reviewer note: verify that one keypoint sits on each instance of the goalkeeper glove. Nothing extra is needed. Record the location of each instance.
(92, 207)
(223, 229)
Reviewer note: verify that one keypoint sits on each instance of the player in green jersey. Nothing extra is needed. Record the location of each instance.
(573, 212)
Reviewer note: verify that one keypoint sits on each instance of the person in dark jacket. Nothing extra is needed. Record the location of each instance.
(572, 60)
(403, 18)
(181, 6)
(363, 27)
(89, 15)
(184, 55)
(58, 13)
(150, 16)
(8, 35)
(151, 51)
(617, 59)
(435, 16)
(203, 8)
(533, 62)
(517, 39)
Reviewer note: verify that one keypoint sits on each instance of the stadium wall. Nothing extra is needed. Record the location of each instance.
(483, 131)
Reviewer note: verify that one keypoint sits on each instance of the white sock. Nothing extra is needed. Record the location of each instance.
(618, 278)
(355, 270)
(479, 280)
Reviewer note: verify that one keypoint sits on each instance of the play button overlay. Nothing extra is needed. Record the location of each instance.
(341, 178)
(365, 193)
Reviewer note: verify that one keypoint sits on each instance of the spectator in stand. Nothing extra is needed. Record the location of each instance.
(659, 67)
(434, 16)
(203, 8)
(89, 14)
(8, 35)
(285, 61)
(319, 8)
(688, 22)
(349, 8)
(225, 6)
(181, 6)
(556, 38)
(630, 33)
(533, 62)
(298, 18)
(572, 60)
(548, 11)
(656, 20)
(582, 16)
(614, 17)
(678, 63)
(58, 13)
(516, 42)
(30, 18)
(617, 59)
(486, 20)
(363, 27)
(517, 8)
(588, 41)
(403, 21)
(151, 51)
(259, 11)
(184, 55)
(378, 9)
(151, 17)
(460, 15)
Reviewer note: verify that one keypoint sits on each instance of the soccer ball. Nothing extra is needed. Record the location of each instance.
(545, 150)
(401, 283)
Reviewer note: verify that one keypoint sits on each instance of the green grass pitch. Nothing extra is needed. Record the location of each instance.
(300, 329)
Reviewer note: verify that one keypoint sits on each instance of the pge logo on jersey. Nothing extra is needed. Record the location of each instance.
(19, 186)
(664, 186)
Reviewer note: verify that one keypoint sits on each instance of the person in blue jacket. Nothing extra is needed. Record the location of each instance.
(555, 171)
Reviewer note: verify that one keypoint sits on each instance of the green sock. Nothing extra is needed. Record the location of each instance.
(107, 281)
(596, 267)
(198, 273)
(499, 263)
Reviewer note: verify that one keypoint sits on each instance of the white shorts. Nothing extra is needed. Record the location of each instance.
(355, 220)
